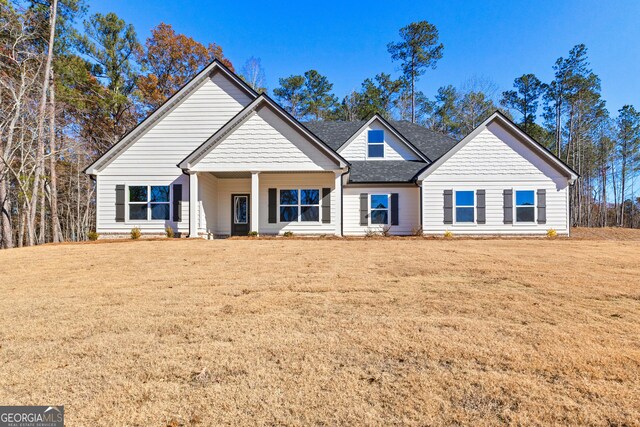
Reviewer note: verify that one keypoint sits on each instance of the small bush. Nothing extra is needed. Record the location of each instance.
(370, 232)
(288, 234)
(386, 231)
(136, 233)
(448, 234)
(551, 233)
(417, 232)
(252, 234)
(169, 232)
(93, 236)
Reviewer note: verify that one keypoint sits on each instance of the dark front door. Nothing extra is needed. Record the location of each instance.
(240, 224)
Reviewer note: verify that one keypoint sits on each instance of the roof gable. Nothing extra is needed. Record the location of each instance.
(169, 105)
(276, 127)
(499, 121)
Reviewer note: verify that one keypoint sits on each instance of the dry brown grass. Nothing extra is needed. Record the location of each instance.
(429, 332)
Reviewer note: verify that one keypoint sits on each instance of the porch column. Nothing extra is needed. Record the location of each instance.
(338, 202)
(193, 205)
(255, 204)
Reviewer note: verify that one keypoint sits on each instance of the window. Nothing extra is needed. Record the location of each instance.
(465, 206)
(148, 202)
(379, 209)
(525, 206)
(300, 205)
(375, 143)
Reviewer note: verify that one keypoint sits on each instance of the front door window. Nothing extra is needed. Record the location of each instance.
(240, 204)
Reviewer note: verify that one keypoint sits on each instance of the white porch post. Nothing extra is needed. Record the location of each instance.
(193, 205)
(338, 202)
(255, 196)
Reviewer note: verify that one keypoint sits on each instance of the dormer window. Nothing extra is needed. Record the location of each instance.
(375, 144)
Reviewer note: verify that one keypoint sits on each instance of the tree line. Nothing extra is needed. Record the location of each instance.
(72, 84)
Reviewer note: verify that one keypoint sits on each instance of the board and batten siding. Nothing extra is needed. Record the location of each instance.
(493, 161)
(394, 148)
(265, 142)
(152, 158)
(408, 210)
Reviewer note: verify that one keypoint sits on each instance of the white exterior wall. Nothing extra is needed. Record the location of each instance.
(265, 142)
(152, 159)
(408, 210)
(394, 149)
(227, 187)
(494, 161)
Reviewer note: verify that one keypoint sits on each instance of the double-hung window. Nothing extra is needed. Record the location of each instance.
(375, 143)
(149, 202)
(465, 207)
(300, 205)
(525, 206)
(379, 209)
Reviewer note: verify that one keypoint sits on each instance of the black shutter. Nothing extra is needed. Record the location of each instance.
(120, 203)
(326, 205)
(508, 206)
(542, 206)
(177, 202)
(364, 208)
(394, 209)
(481, 207)
(448, 206)
(273, 206)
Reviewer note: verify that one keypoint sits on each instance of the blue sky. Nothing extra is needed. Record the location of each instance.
(495, 40)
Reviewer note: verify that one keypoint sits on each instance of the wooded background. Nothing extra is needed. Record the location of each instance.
(71, 90)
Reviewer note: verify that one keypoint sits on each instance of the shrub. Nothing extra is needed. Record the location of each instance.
(448, 234)
(169, 232)
(386, 231)
(252, 234)
(370, 232)
(93, 236)
(551, 233)
(135, 233)
(288, 234)
(417, 231)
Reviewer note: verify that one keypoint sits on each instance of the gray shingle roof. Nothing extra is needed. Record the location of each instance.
(431, 143)
(385, 171)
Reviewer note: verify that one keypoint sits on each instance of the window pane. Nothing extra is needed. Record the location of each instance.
(159, 211)
(160, 193)
(288, 197)
(309, 197)
(138, 193)
(524, 198)
(376, 150)
(379, 216)
(288, 214)
(379, 201)
(138, 211)
(376, 136)
(240, 210)
(464, 214)
(464, 198)
(310, 213)
(525, 214)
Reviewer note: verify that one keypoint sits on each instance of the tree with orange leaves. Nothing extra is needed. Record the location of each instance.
(170, 60)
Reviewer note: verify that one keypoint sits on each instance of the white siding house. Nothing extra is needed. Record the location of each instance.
(218, 159)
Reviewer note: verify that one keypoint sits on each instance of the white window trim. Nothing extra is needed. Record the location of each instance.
(515, 208)
(384, 150)
(300, 205)
(474, 206)
(148, 204)
(388, 209)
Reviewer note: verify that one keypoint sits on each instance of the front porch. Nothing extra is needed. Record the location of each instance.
(224, 203)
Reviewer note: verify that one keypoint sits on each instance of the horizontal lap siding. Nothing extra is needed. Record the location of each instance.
(295, 181)
(152, 159)
(207, 198)
(265, 142)
(227, 187)
(494, 161)
(408, 210)
(394, 149)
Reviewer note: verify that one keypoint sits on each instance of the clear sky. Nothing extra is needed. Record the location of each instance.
(495, 40)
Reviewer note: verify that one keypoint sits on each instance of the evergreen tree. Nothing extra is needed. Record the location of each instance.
(318, 101)
(524, 99)
(290, 94)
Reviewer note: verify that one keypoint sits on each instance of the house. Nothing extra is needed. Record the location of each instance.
(219, 159)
